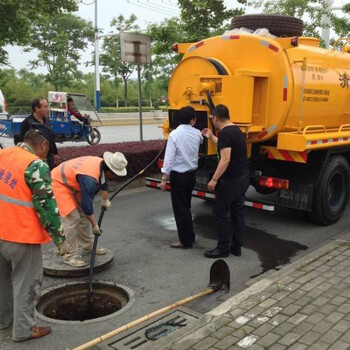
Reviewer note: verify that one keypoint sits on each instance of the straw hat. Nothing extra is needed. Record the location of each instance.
(116, 162)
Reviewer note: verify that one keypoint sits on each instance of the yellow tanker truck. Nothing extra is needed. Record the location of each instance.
(289, 96)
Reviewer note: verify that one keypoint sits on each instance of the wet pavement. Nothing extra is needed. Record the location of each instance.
(138, 230)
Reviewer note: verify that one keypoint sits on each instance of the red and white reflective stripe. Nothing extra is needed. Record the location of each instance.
(192, 48)
(332, 140)
(285, 88)
(269, 46)
(261, 206)
(203, 194)
(266, 132)
(229, 37)
(156, 184)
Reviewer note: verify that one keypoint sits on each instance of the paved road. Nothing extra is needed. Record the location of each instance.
(139, 228)
(111, 134)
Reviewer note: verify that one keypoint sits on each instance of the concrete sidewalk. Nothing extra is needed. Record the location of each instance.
(305, 305)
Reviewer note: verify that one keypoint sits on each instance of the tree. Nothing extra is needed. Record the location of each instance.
(201, 17)
(17, 18)
(310, 11)
(341, 25)
(111, 56)
(59, 40)
(164, 59)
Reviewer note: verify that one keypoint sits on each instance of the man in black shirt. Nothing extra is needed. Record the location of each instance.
(231, 180)
(40, 111)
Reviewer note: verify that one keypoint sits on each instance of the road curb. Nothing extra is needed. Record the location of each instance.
(126, 122)
(186, 335)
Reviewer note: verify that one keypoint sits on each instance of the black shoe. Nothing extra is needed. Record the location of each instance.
(216, 253)
(236, 251)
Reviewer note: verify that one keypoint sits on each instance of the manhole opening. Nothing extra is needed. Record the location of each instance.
(70, 302)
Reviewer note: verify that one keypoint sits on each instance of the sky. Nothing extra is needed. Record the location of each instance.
(147, 11)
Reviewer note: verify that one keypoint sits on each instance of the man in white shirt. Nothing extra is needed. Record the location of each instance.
(180, 164)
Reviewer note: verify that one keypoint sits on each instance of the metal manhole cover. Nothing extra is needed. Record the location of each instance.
(137, 339)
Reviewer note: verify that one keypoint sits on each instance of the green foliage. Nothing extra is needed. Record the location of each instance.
(17, 18)
(59, 40)
(341, 25)
(201, 17)
(19, 110)
(110, 58)
(310, 11)
(164, 60)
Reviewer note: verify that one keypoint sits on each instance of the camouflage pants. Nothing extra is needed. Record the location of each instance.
(21, 274)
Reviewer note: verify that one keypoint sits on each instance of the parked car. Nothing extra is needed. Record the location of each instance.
(3, 107)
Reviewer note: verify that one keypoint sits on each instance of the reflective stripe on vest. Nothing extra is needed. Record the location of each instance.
(16, 201)
(64, 179)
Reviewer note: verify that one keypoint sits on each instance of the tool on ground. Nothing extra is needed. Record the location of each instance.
(219, 279)
(100, 219)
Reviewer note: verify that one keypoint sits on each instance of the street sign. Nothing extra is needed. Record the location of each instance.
(135, 48)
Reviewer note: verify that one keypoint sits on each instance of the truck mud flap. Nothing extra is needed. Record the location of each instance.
(296, 197)
(207, 195)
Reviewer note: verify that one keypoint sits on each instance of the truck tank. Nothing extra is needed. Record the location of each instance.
(270, 85)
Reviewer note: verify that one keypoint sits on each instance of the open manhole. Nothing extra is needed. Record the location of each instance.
(69, 303)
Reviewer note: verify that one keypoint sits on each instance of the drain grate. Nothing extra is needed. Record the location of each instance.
(137, 339)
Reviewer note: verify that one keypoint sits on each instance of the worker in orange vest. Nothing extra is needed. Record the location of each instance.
(29, 216)
(75, 184)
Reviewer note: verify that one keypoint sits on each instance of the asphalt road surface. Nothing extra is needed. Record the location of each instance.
(139, 227)
(111, 134)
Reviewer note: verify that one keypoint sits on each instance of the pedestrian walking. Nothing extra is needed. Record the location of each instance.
(180, 165)
(75, 184)
(231, 180)
(29, 216)
(40, 112)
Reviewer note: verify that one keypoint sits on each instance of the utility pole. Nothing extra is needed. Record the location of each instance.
(97, 96)
(97, 65)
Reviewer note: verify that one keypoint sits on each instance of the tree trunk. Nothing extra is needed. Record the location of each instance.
(125, 92)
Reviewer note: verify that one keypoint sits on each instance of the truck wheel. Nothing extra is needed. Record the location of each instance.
(94, 137)
(331, 195)
(276, 24)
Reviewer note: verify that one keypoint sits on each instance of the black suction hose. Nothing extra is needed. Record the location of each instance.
(100, 219)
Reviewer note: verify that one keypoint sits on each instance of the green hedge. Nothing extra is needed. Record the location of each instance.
(137, 154)
(19, 110)
(27, 109)
(130, 109)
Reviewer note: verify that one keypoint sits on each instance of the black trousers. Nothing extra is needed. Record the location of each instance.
(182, 185)
(229, 212)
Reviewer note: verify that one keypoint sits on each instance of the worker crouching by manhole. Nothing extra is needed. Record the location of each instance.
(75, 184)
(28, 216)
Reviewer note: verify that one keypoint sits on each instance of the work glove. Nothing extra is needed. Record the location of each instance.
(96, 230)
(62, 248)
(106, 203)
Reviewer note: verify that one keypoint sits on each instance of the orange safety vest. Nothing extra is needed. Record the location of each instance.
(19, 221)
(65, 186)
